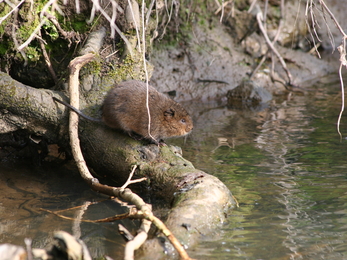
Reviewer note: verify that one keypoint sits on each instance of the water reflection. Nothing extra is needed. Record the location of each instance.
(287, 169)
(25, 190)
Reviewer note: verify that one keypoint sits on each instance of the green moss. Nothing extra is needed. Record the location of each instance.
(92, 67)
(33, 54)
(130, 68)
(3, 47)
(76, 22)
(80, 26)
(5, 10)
(30, 15)
(51, 30)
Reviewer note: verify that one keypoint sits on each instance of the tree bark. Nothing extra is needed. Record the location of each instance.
(24, 107)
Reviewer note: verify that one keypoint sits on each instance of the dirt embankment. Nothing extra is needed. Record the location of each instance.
(219, 56)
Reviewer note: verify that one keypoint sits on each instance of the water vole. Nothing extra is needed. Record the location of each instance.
(124, 108)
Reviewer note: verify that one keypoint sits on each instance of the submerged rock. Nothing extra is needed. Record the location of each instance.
(248, 94)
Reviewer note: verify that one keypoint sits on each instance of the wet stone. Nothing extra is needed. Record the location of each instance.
(248, 94)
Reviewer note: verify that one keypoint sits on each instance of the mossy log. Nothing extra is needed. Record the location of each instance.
(199, 201)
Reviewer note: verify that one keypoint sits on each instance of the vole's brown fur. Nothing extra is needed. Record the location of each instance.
(124, 108)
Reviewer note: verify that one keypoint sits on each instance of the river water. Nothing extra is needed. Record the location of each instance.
(285, 164)
(287, 168)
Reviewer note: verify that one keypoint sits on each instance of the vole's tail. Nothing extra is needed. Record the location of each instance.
(76, 110)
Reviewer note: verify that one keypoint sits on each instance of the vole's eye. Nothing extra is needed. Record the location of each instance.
(183, 121)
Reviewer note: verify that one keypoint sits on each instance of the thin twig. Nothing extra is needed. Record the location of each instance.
(145, 68)
(149, 11)
(92, 14)
(343, 62)
(135, 19)
(178, 246)
(259, 65)
(169, 17)
(33, 35)
(272, 47)
(78, 207)
(47, 59)
(309, 27)
(14, 37)
(113, 53)
(66, 35)
(130, 214)
(314, 21)
(252, 6)
(265, 13)
(333, 17)
(273, 42)
(75, 66)
(222, 14)
(222, 8)
(138, 240)
(331, 37)
(113, 25)
(129, 181)
(113, 18)
(14, 9)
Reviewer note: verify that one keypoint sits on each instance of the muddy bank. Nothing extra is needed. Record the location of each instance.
(219, 56)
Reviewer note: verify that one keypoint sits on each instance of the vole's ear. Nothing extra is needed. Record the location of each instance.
(169, 113)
